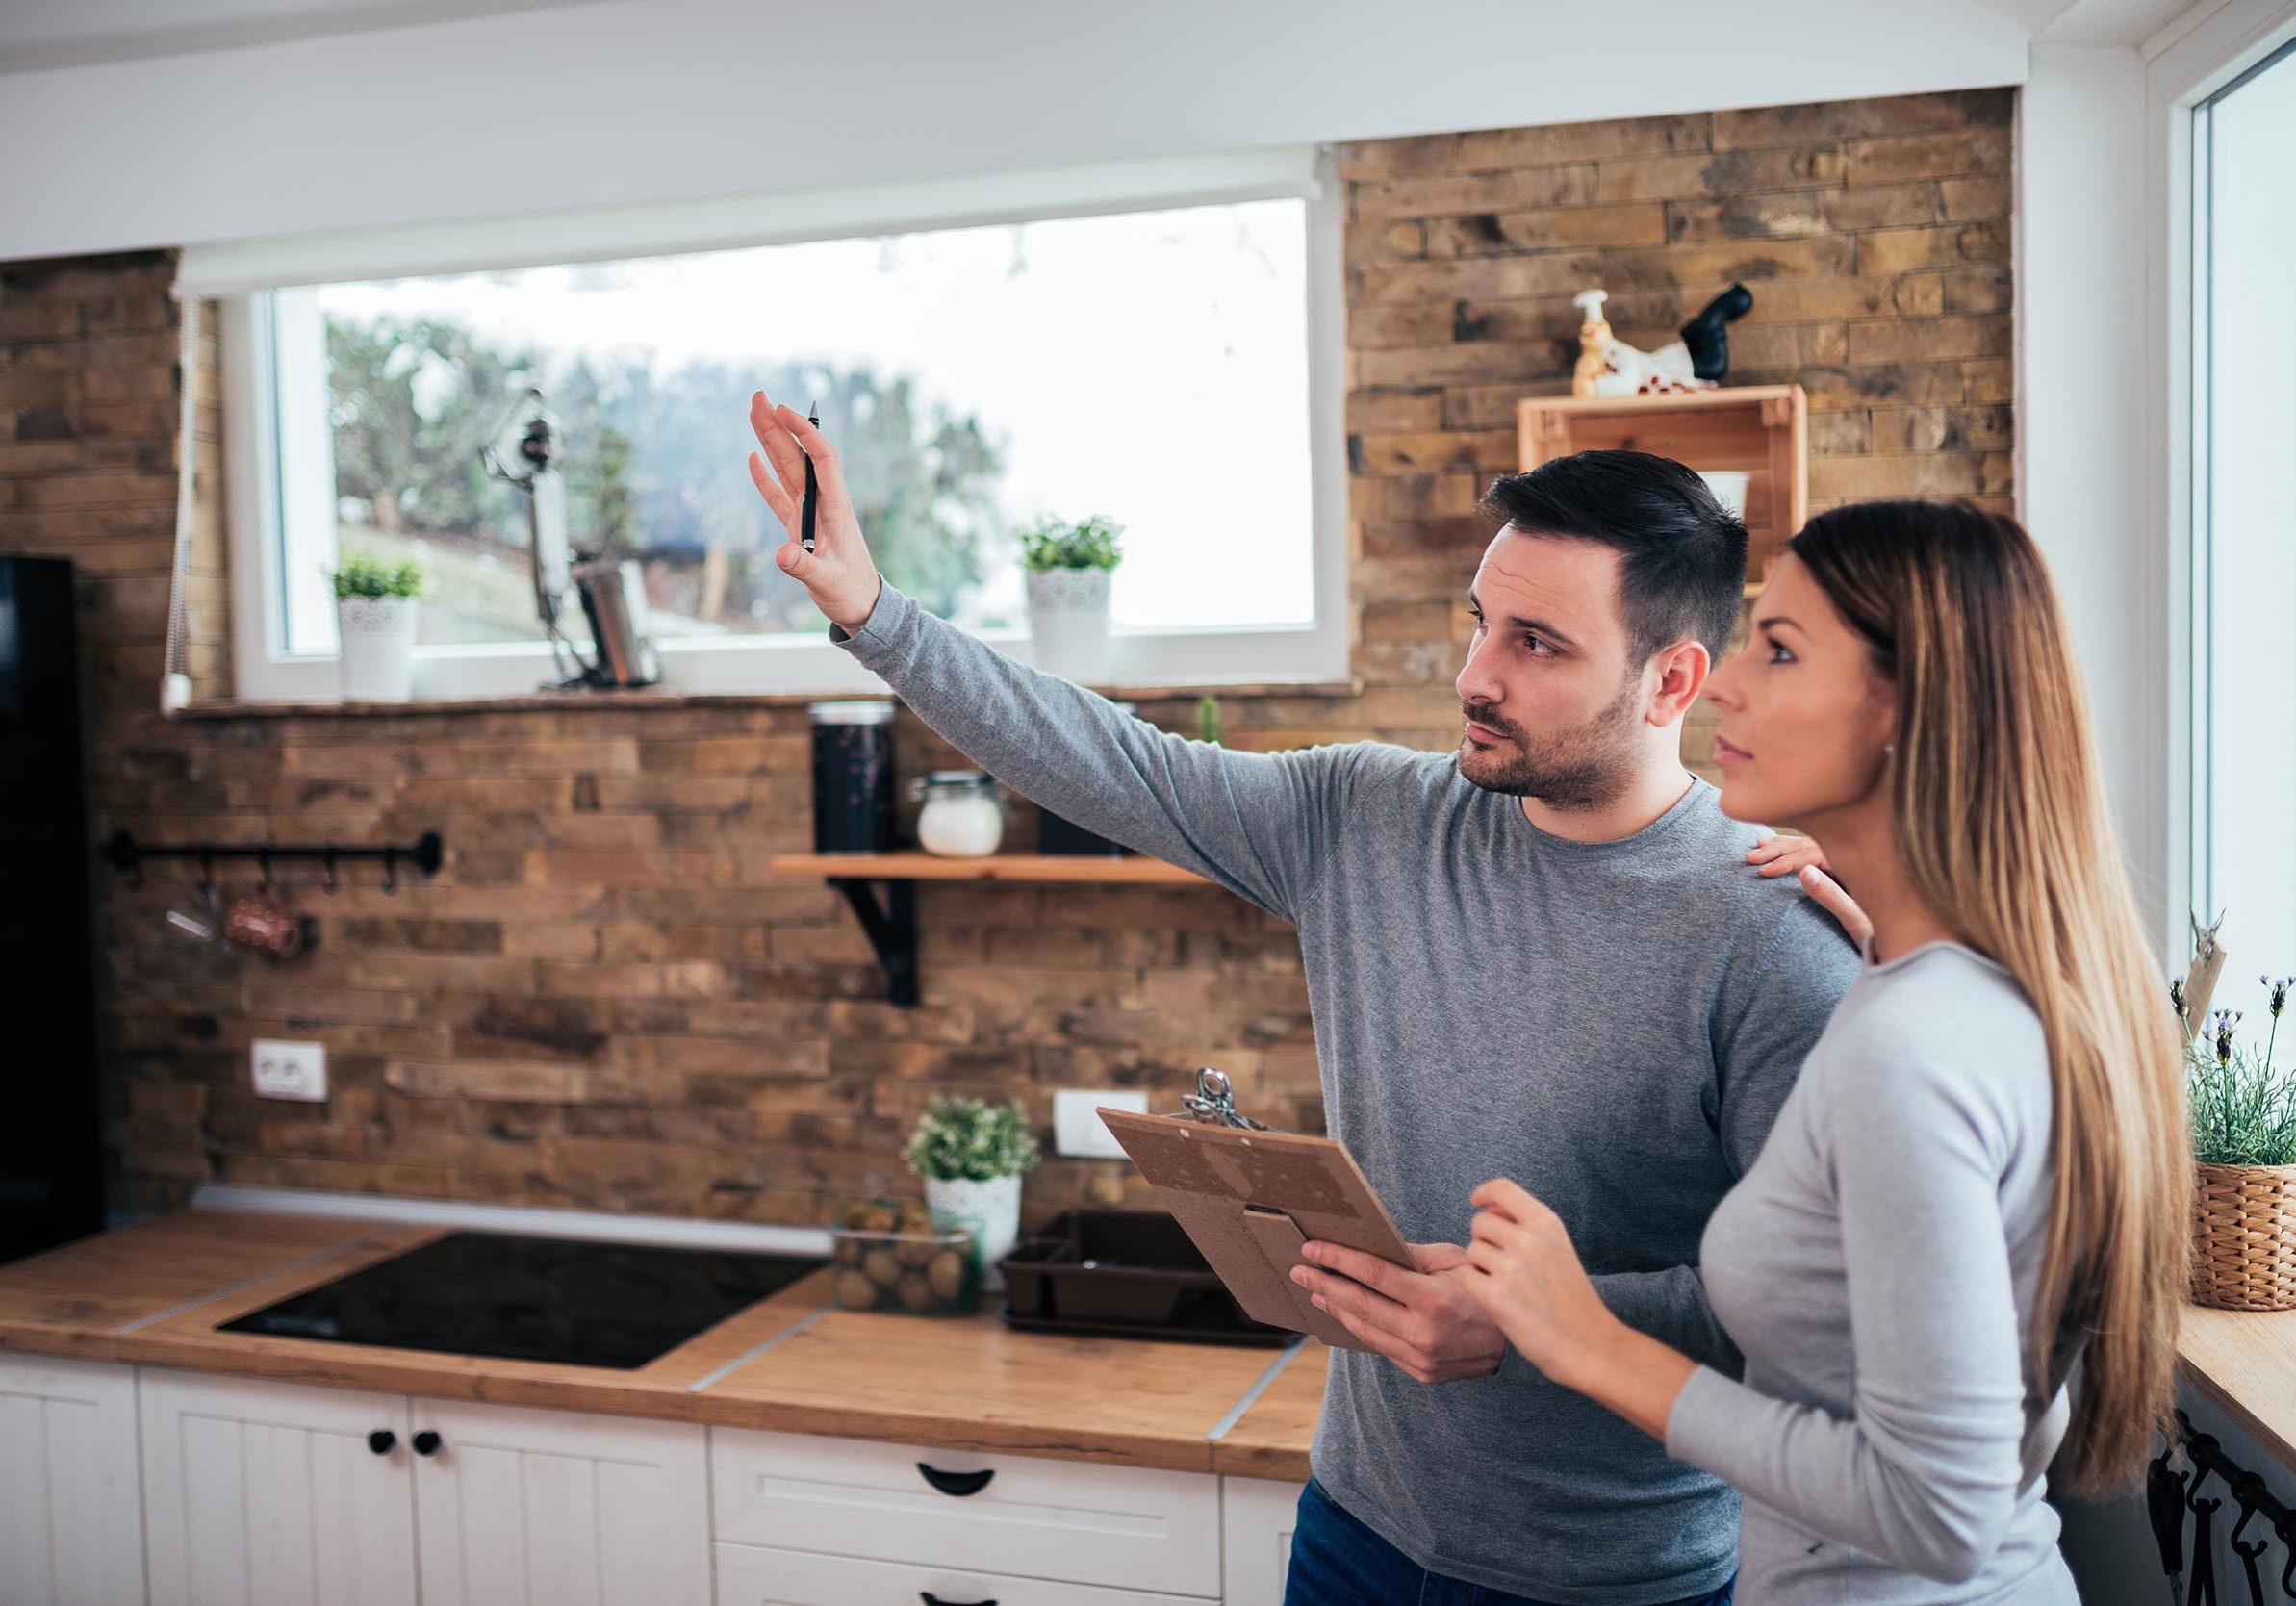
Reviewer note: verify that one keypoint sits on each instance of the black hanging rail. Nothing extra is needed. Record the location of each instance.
(428, 852)
(2250, 1496)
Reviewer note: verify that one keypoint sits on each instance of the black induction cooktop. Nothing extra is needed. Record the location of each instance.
(518, 1298)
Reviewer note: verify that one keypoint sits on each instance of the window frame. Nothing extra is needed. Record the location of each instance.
(2188, 68)
(269, 374)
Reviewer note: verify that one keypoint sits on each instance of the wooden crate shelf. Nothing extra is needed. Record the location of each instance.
(1761, 430)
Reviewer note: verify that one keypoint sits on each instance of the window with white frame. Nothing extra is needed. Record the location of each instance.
(2243, 519)
(1158, 346)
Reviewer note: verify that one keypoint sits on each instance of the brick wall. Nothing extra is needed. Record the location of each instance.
(607, 1001)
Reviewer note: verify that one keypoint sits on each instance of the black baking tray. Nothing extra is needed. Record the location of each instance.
(1126, 1274)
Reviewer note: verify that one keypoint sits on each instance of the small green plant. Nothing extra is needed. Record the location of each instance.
(1056, 544)
(970, 1140)
(1210, 725)
(2243, 1111)
(363, 575)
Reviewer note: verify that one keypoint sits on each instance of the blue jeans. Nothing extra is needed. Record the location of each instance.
(1336, 1561)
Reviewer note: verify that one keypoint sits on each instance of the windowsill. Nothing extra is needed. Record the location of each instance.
(554, 702)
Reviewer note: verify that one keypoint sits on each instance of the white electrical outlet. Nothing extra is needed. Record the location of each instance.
(289, 1070)
(1080, 1133)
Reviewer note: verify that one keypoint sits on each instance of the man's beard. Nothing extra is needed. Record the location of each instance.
(1582, 768)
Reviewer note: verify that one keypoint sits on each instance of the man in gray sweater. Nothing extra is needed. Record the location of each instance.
(1543, 956)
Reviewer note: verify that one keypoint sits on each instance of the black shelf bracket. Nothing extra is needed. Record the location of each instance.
(891, 928)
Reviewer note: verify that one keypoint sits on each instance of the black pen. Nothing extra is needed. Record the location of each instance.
(805, 517)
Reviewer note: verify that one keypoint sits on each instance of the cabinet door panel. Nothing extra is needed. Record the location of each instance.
(560, 1507)
(260, 1493)
(71, 1513)
(1256, 1519)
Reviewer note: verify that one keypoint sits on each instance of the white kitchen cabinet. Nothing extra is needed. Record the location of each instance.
(1256, 1518)
(71, 1512)
(999, 1515)
(750, 1575)
(263, 1494)
(559, 1507)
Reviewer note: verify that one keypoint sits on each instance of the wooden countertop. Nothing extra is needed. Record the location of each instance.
(2245, 1362)
(152, 1293)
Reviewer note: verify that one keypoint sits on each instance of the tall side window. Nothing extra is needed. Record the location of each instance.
(2244, 520)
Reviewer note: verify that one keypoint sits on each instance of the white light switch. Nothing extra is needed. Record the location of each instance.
(289, 1070)
(1080, 1133)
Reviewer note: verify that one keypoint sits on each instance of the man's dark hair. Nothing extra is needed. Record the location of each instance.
(1682, 556)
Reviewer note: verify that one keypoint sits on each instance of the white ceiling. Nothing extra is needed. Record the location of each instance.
(37, 35)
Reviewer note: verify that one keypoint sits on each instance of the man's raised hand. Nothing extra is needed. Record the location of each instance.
(837, 574)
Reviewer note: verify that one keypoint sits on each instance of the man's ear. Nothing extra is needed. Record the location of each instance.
(1679, 673)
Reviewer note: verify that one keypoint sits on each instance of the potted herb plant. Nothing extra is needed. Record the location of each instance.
(376, 605)
(972, 1156)
(2243, 1113)
(1069, 568)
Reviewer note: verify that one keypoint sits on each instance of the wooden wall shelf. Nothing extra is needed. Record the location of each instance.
(1132, 869)
(891, 926)
(1760, 430)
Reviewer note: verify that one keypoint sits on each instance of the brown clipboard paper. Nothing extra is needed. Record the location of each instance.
(1249, 1199)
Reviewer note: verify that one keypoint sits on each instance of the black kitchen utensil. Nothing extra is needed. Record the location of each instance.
(2165, 1506)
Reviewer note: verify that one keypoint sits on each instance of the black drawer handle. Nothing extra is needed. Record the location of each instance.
(931, 1599)
(428, 1443)
(382, 1442)
(959, 1483)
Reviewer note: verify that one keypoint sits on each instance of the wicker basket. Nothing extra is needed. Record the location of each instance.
(2244, 1238)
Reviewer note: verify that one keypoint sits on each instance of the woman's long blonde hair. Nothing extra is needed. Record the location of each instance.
(2002, 821)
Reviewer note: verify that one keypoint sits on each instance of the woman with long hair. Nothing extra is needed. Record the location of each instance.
(1961, 1253)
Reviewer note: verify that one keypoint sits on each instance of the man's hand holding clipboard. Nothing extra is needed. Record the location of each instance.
(1300, 1238)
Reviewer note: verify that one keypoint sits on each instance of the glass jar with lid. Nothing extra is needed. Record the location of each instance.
(963, 816)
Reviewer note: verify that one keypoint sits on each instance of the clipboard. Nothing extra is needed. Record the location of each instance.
(1249, 1200)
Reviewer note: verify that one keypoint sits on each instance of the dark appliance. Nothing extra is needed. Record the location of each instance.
(51, 1159)
(571, 1301)
(1124, 1274)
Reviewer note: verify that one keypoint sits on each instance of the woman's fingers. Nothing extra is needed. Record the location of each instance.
(1504, 1196)
(1835, 899)
(1785, 855)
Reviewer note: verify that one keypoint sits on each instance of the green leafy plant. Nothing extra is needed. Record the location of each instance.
(970, 1140)
(1056, 544)
(365, 575)
(1211, 727)
(2243, 1111)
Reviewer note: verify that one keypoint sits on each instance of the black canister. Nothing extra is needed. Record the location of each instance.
(853, 778)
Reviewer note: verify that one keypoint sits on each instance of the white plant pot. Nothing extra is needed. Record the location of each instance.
(1068, 621)
(989, 1210)
(378, 647)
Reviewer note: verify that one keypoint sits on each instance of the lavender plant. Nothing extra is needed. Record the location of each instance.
(2243, 1111)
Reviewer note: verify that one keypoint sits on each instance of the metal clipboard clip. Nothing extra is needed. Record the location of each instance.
(1214, 1103)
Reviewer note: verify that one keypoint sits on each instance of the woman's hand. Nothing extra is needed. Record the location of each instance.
(837, 574)
(1522, 1271)
(1521, 1268)
(1787, 854)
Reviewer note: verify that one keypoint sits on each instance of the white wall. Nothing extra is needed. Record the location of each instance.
(2084, 297)
(641, 100)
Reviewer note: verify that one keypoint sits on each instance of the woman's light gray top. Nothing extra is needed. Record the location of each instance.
(1877, 1267)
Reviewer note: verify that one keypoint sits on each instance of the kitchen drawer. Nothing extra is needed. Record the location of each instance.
(748, 1575)
(1033, 1516)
